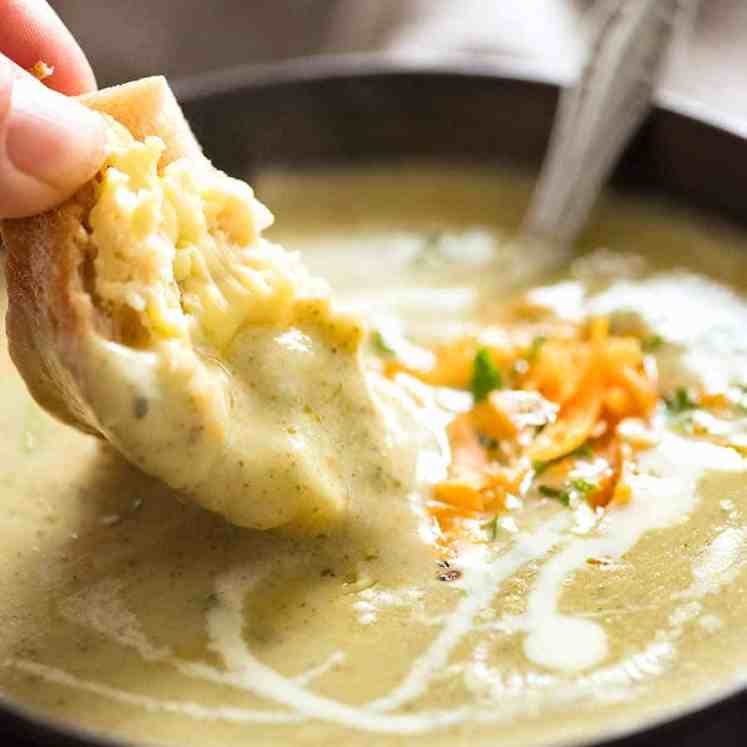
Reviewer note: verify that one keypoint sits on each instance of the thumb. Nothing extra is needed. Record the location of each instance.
(50, 145)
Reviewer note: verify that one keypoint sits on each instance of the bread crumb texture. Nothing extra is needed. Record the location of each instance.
(179, 249)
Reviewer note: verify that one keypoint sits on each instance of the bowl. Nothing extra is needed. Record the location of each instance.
(363, 109)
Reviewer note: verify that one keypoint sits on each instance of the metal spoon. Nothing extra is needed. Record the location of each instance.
(597, 117)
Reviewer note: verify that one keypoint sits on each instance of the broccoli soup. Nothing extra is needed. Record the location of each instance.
(569, 559)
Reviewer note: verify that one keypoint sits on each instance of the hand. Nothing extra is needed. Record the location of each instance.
(49, 144)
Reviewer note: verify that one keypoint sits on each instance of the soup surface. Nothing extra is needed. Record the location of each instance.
(127, 612)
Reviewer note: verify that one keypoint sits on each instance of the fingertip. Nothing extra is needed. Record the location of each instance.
(6, 85)
(53, 138)
(72, 73)
(50, 145)
(6, 95)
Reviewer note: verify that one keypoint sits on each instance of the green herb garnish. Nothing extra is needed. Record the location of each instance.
(684, 423)
(485, 376)
(491, 527)
(540, 467)
(559, 495)
(380, 343)
(681, 401)
(652, 343)
(487, 442)
(578, 487)
(582, 452)
(583, 487)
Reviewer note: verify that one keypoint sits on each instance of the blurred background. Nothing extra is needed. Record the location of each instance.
(132, 38)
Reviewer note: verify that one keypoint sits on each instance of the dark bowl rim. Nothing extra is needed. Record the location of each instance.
(364, 66)
(376, 64)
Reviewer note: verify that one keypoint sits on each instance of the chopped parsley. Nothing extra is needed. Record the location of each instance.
(491, 527)
(485, 375)
(681, 401)
(582, 452)
(563, 496)
(583, 487)
(487, 442)
(684, 422)
(652, 343)
(540, 467)
(380, 343)
(578, 487)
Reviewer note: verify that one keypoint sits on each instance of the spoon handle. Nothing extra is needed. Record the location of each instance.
(599, 114)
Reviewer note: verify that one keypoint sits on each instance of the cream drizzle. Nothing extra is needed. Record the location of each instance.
(101, 609)
(481, 582)
(718, 564)
(153, 705)
(664, 493)
(482, 579)
(225, 626)
(245, 672)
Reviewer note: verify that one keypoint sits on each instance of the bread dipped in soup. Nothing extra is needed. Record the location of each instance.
(150, 311)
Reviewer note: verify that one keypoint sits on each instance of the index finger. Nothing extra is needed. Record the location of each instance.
(31, 31)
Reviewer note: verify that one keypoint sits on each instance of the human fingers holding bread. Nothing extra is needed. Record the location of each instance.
(49, 143)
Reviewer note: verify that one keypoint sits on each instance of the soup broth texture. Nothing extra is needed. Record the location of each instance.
(572, 562)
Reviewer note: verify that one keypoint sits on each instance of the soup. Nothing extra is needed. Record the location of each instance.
(127, 612)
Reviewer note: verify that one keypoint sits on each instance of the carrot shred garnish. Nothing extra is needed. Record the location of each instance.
(572, 428)
(466, 449)
(462, 493)
(564, 392)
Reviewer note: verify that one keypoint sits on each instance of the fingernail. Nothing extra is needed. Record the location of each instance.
(52, 138)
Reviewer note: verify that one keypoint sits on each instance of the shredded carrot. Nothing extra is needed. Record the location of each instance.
(559, 368)
(573, 428)
(617, 402)
(641, 388)
(564, 393)
(466, 449)
(621, 494)
(453, 362)
(714, 400)
(461, 492)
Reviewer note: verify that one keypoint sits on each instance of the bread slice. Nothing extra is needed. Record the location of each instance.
(236, 380)
(48, 304)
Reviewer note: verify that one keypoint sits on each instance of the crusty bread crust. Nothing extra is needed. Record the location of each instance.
(50, 307)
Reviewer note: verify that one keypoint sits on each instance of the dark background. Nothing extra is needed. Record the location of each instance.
(126, 39)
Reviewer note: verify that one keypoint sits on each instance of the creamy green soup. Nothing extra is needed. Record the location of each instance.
(128, 612)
